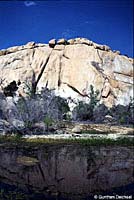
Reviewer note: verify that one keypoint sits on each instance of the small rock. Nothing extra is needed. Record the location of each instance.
(41, 45)
(59, 132)
(3, 52)
(21, 47)
(59, 47)
(12, 49)
(5, 127)
(107, 48)
(83, 41)
(101, 47)
(61, 41)
(18, 124)
(117, 52)
(95, 45)
(71, 41)
(52, 43)
(30, 44)
(108, 118)
(76, 129)
(39, 127)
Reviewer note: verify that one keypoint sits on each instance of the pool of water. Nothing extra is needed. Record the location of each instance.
(65, 172)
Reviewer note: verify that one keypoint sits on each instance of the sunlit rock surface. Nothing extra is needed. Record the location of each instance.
(70, 67)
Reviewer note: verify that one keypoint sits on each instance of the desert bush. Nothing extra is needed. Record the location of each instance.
(35, 108)
(100, 112)
(48, 121)
(93, 97)
(124, 114)
(84, 111)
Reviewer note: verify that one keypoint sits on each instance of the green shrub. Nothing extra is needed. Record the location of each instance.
(48, 121)
(93, 97)
(17, 137)
(84, 111)
(122, 120)
(62, 106)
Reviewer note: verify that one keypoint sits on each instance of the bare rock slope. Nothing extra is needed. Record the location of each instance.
(69, 67)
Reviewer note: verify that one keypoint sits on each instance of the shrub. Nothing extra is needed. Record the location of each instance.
(48, 121)
(34, 108)
(100, 112)
(93, 97)
(84, 111)
(62, 106)
(123, 114)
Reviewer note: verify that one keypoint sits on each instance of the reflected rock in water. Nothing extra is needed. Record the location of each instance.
(68, 171)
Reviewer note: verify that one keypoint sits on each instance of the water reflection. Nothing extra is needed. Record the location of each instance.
(66, 171)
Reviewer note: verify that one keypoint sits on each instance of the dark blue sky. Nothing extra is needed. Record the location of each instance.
(103, 21)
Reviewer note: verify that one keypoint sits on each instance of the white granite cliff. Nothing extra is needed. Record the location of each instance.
(70, 67)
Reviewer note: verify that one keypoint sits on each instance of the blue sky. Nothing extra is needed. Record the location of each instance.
(103, 21)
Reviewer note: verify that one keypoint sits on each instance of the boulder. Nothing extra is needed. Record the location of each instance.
(117, 52)
(76, 129)
(18, 124)
(39, 128)
(3, 52)
(11, 113)
(30, 44)
(52, 43)
(12, 49)
(108, 118)
(106, 89)
(5, 127)
(62, 41)
(83, 41)
(71, 41)
(107, 48)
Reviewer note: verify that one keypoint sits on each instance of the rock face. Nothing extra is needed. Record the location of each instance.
(69, 67)
(74, 172)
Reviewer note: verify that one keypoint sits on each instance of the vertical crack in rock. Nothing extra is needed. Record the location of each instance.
(99, 57)
(56, 166)
(35, 82)
(59, 79)
(47, 186)
(60, 67)
(96, 65)
(33, 53)
(28, 179)
(42, 173)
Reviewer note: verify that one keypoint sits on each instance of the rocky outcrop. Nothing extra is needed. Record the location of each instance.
(69, 67)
